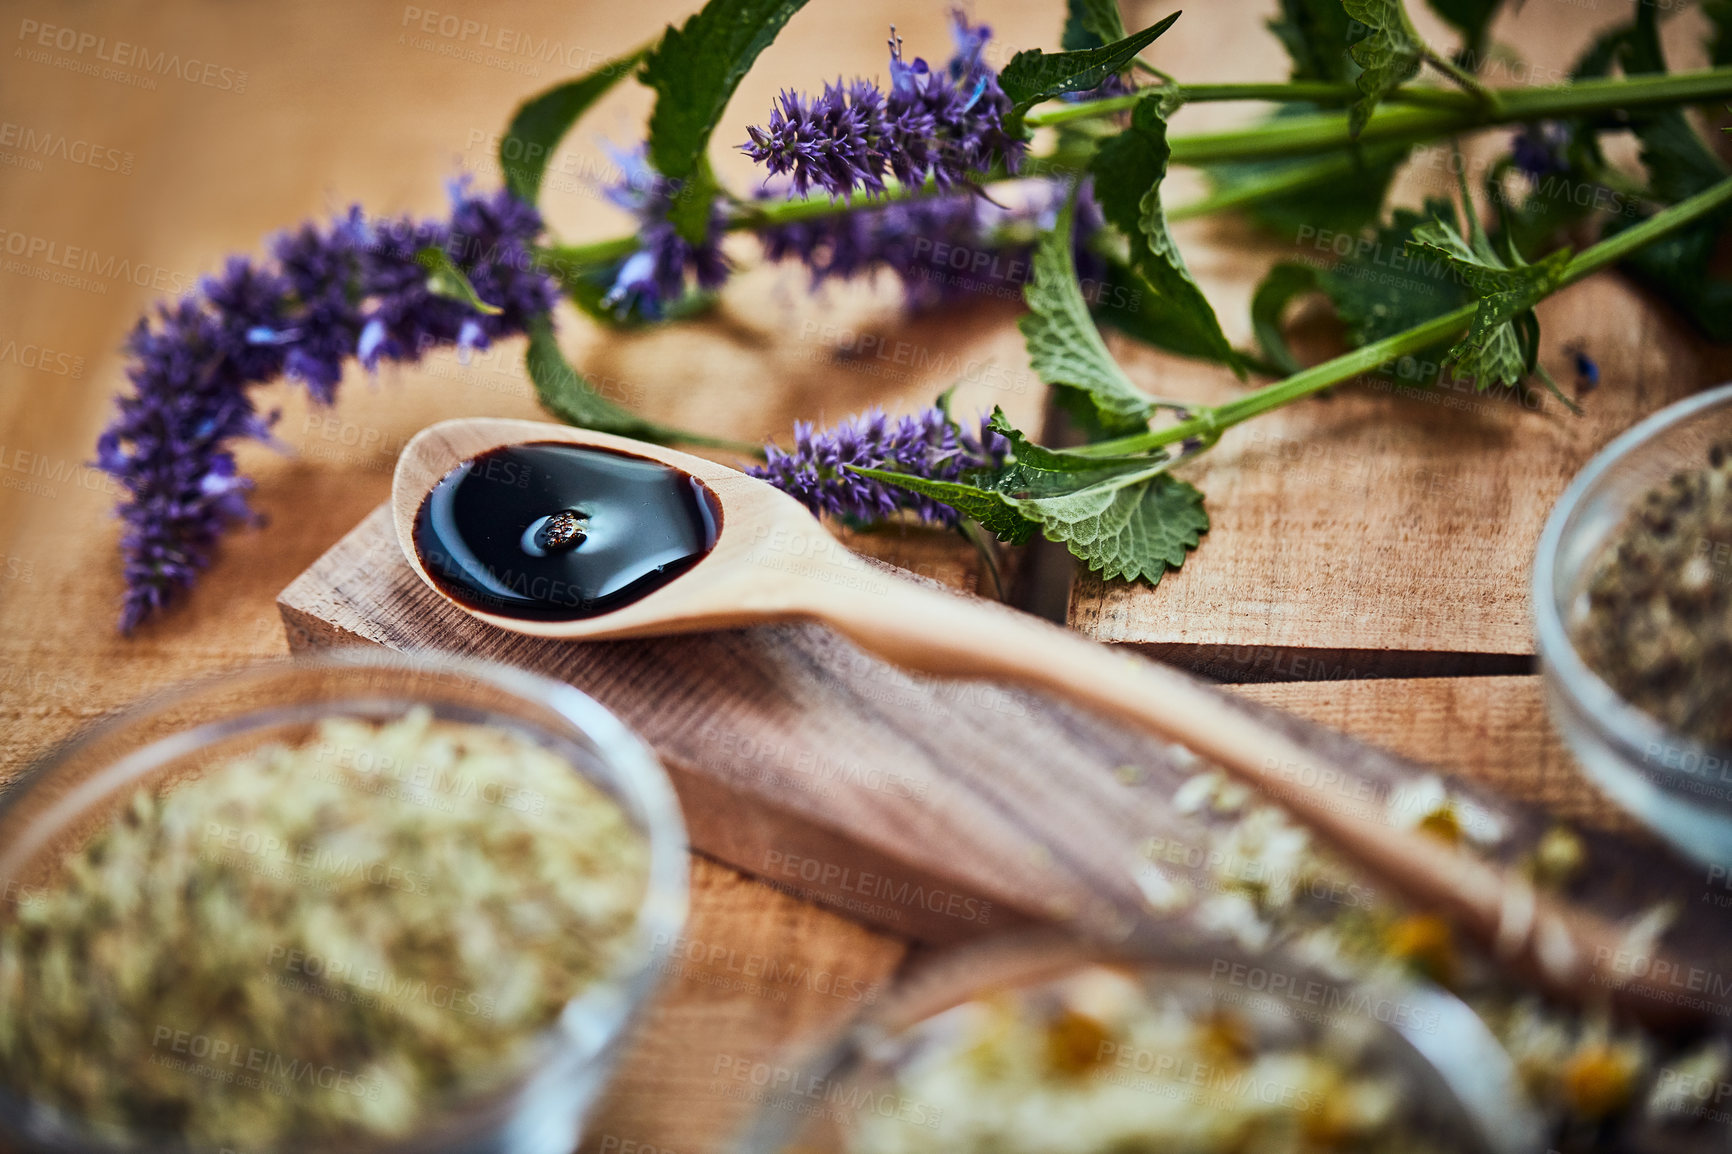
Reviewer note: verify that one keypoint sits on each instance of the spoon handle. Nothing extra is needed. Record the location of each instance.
(920, 628)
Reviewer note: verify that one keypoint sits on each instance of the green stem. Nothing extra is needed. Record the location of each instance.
(1616, 248)
(1327, 131)
(767, 214)
(567, 261)
(1483, 96)
(1292, 92)
(1436, 112)
(1212, 421)
(583, 255)
(1296, 177)
(1082, 110)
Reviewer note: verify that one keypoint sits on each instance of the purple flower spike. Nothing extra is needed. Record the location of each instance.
(947, 125)
(348, 289)
(924, 444)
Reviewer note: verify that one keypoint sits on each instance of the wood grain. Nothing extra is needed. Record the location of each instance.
(1368, 534)
(885, 795)
(342, 107)
(344, 104)
(756, 976)
(937, 809)
(773, 564)
(1492, 730)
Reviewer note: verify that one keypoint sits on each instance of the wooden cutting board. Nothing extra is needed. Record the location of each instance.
(936, 810)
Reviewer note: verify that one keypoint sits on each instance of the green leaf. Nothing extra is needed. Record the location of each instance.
(1315, 32)
(1026, 452)
(1033, 75)
(588, 288)
(1501, 347)
(1556, 202)
(1597, 60)
(541, 122)
(1128, 170)
(985, 505)
(1471, 18)
(445, 279)
(1547, 209)
(1285, 283)
(1092, 23)
(1387, 48)
(1148, 529)
(1380, 289)
(1131, 521)
(690, 210)
(1064, 347)
(1553, 203)
(1719, 14)
(1681, 267)
(589, 293)
(564, 392)
(694, 71)
(1679, 163)
(1341, 192)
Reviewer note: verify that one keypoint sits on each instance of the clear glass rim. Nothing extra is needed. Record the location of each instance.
(1629, 727)
(661, 914)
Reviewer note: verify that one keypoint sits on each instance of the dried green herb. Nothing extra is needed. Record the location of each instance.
(327, 941)
(1658, 625)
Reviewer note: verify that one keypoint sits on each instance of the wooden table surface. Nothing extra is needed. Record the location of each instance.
(1398, 545)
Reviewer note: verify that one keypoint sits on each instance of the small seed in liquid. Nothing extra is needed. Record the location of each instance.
(563, 530)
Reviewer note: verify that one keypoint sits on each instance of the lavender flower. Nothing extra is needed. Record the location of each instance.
(1542, 149)
(924, 444)
(943, 248)
(665, 262)
(948, 125)
(352, 288)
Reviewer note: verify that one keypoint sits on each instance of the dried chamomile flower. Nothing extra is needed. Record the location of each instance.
(328, 940)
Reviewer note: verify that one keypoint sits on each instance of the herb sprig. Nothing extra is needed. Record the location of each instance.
(1058, 161)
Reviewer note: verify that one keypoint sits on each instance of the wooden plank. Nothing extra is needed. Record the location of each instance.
(755, 975)
(938, 810)
(1369, 534)
(931, 810)
(206, 181)
(1493, 730)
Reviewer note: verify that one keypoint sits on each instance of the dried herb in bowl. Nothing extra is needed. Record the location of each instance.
(319, 942)
(1104, 1061)
(1658, 620)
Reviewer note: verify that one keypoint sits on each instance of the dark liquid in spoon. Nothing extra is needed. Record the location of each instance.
(554, 532)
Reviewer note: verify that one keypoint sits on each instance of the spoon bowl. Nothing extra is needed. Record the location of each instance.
(729, 586)
(773, 561)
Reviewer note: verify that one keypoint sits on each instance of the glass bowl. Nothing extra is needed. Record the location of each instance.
(538, 1106)
(908, 1078)
(1678, 787)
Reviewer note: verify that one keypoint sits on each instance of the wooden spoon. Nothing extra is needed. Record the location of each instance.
(774, 561)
